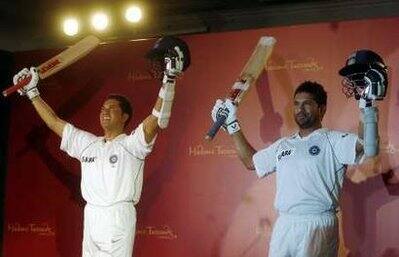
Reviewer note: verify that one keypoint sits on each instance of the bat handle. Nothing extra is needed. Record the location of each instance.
(215, 128)
(20, 84)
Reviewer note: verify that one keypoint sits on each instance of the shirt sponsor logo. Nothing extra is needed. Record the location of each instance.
(113, 159)
(314, 150)
(88, 159)
(284, 153)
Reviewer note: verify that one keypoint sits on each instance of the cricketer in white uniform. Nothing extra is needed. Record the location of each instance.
(310, 167)
(310, 172)
(112, 165)
(112, 178)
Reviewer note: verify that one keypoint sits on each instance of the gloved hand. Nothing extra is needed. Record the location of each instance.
(31, 88)
(219, 111)
(226, 110)
(363, 103)
(377, 85)
(174, 65)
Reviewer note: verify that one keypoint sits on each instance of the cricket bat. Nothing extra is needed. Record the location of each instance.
(59, 62)
(250, 73)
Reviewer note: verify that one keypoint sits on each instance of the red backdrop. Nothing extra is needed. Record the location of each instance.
(198, 200)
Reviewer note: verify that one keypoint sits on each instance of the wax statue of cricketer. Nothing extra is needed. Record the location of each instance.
(310, 165)
(112, 164)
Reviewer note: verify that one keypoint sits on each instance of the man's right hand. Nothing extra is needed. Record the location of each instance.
(226, 110)
(174, 65)
(31, 89)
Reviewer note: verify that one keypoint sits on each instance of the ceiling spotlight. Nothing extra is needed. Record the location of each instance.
(71, 26)
(99, 21)
(133, 14)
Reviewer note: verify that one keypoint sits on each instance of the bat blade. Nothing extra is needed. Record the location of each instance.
(248, 76)
(254, 67)
(60, 61)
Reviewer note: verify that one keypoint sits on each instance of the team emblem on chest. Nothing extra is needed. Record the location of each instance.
(314, 150)
(113, 159)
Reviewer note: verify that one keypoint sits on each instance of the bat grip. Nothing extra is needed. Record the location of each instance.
(215, 128)
(20, 84)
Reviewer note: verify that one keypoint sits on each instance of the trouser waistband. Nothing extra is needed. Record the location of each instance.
(308, 216)
(117, 204)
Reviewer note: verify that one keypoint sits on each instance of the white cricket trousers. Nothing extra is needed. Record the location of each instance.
(314, 235)
(109, 231)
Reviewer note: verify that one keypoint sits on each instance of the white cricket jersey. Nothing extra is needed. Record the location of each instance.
(310, 170)
(112, 171)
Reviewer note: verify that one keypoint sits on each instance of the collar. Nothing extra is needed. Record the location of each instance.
(314, 132)
(117, 138)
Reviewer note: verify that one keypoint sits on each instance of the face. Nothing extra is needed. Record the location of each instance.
(111, 115)
(307, 112)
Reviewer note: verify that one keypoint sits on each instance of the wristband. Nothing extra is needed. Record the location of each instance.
(233, 127)
(32, 93)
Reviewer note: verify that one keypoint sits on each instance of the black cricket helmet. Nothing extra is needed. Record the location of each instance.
(364, 68)
(361, 61)
(164, 47)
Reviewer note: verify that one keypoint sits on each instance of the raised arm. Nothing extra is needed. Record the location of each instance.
(360, 133)
(365, 77)
(48, 116)
(150, 124)
(367, 149)
(42, 108)
(244, 150)
(159, 118)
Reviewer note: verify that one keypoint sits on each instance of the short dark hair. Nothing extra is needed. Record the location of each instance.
(315, 89)
(125, 105)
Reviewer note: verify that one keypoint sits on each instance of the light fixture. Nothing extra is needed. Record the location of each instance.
(99, 21)
(71, 26)
(133, 14)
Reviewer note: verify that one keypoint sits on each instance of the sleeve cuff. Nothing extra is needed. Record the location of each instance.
(66, 133)
(260, 171)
